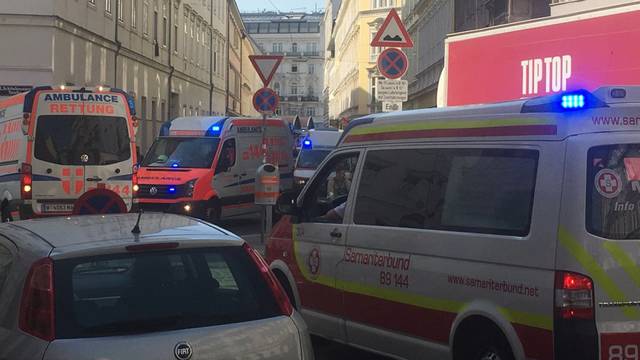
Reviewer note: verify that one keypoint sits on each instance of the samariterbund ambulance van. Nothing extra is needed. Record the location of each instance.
(58, 144)
(206, 166)
(504, 231)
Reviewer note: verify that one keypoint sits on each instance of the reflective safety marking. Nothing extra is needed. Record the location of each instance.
(451, 306)
(448, 124)
(623, 258)
(595, 271)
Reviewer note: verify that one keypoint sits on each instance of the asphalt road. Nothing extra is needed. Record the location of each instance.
(249, 229)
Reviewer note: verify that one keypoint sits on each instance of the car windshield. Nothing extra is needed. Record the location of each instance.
(310, 159)
(158, 291)
(185, 152)
(613, 182)
(66, 139)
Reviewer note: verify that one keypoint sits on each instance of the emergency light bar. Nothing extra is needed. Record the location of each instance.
(571, 101)
(307, 144)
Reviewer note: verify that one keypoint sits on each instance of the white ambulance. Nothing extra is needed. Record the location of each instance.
(60, 144)
(314, 147)
(504, 231)
(206, 166)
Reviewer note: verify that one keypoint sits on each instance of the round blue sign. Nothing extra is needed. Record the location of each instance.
(393, 63)
(265, 101)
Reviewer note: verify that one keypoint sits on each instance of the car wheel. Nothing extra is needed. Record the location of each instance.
(213, 212)
(484, 342)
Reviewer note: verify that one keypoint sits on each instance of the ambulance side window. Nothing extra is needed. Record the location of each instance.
(465, 190)
(227, 157)
(325, 200)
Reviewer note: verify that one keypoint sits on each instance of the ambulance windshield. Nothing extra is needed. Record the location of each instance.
(310, 159)
(613, 191)
(66, 139)
(182, 152)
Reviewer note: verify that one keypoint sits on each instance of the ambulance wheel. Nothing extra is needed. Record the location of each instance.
(4, 211)
(213, 211)
(480, 339)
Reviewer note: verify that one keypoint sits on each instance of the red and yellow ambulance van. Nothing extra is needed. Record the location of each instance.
(501, 231)
(58, 144)
(206, 166)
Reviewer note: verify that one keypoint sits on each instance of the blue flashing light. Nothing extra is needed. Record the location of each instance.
(174, 165)
(172, 189)
(215, 128)
(573, 101)
(306, 144)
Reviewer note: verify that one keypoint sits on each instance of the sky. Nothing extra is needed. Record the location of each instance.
(282, 5)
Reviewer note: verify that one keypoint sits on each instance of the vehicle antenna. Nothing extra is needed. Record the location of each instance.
(136, 228)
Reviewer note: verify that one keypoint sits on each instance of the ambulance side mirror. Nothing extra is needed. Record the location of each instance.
(286, 204)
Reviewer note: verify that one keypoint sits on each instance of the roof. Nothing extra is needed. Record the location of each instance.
(539, 118)
(98, 229)
(271, 16)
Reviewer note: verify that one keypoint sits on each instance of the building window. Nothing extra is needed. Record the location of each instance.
(277, 48)
(294, 48)
(155, 26)
(120, 4)
(186, 36)
(310, 111)
(310, 91)
(175, 30)
(134, 13)
(312, 68)
(145, 18)
(276, 88)
(294, 68)
(273, 28)
(92, 2)
(107, 6)
(374, 51)
(382, 3)
(165, 24)
(294, 88)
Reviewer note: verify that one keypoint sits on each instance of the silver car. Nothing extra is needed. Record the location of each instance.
(88, 288)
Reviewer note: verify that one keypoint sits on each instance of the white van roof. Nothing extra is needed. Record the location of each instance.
(548, 117)
(324, 138)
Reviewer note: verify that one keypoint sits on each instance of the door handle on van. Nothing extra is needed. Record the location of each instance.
(336, 234)
(95, 178)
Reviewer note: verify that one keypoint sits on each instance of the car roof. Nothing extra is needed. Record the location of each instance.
(96, 230)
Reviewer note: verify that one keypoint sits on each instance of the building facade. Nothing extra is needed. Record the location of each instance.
(566, 7)
(353, 74)
(300, 39)
(163, 52)
(430, 21)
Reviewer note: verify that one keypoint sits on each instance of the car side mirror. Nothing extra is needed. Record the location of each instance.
(286, 203)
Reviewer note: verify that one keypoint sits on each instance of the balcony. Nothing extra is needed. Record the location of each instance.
(299, 98)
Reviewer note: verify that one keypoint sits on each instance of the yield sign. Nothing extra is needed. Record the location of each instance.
(266, 66)
(392, 33)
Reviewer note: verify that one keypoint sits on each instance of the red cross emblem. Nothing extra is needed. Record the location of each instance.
(608, 183)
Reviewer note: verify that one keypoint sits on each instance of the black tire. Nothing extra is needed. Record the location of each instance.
(212, 212)
(5, 214)
(286, 286)
(484, 343)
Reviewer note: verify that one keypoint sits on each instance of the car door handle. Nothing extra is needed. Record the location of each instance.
(243, 174)
(95, 178)
(336, 234)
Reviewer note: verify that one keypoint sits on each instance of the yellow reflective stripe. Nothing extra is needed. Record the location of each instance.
(519, 317)
(595, 271)
(524, 318)
(448, 124)
(624, 260)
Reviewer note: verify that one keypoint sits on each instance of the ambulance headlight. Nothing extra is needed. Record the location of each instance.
(189, 186)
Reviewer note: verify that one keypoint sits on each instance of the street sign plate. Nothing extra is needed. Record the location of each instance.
(266, 66)
(393, 63)
(265, 101)
(392, 90)
(391, 106)
(392, 33)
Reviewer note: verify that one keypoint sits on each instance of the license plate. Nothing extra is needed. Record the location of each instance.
(620, 346)
(57, 208)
